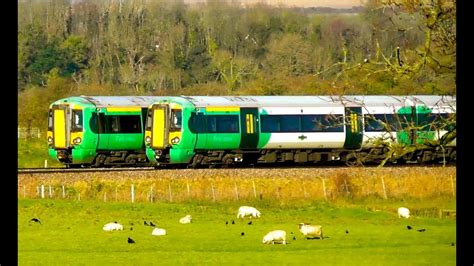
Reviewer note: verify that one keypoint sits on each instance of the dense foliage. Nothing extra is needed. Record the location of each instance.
(169, 48)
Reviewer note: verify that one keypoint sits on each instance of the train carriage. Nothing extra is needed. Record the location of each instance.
(98, 130)
(250, 129)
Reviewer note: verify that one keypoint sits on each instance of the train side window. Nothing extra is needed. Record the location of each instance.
(372, 123)
(270, 123)
(176, 119)
(50, 120)
(129, 124)
(290, 123)
(76, 121)
(148, 120)
(227, 123)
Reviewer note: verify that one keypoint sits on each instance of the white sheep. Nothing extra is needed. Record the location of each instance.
(403, 212)
(112, 226)
(277, 236)
(186, 219)
(311, 231)
(158, 232)
(248, 211)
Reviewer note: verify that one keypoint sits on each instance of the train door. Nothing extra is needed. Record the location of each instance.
(353, 124)
(249, 125)
(159, 132)
(60, 126)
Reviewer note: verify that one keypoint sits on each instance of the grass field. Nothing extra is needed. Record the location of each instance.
(71, 234)
(33, 152)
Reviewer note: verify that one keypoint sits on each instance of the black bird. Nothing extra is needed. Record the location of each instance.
(115, 221)
(291, 233)
(130, 241)
(347, 231)
(294, 237)
(131, 228)
(242, 233)
(452, 244)
(249, 223)
(421, 230)
(233, 222)
(152, 224)
(145, 223)
(36, 220)
(409, 227)
(226, 222)
(131, 223)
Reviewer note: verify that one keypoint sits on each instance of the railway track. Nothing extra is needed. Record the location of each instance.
(123, 169)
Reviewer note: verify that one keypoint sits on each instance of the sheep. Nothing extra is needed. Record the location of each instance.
(186, 219)
(277, 236)
(311, 231)
(248, 211)
(112, 226)
(403, 212)
(158, 232)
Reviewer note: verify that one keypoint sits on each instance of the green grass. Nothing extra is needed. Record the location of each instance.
(33, 152)
(71, 234)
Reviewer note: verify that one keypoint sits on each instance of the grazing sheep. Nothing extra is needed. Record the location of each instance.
(248, 211)
(311, 231)
(403, 212)
(186, 219)
(158, 232)
(277, 236)
(112, 226)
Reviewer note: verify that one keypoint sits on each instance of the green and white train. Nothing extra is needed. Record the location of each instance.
(225, 130)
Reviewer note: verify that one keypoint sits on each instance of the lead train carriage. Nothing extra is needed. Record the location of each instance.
(203, 130)
(98, 130)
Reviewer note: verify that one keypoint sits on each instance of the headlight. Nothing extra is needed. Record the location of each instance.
(175, 140)
(77, 140)
(148, 139)
(50, 140)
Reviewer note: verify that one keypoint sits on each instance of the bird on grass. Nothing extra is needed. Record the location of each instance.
(294, 237)
(242, 233)
(452, 244)
(131, 228)
(145, 223)
(36, 220)
(249, 223)
(130, 241)
(233, 222)
(409, 227)
(347, 231)
(421, 230)
(226, 222)
(152, 224)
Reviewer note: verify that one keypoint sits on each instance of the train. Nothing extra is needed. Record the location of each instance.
(195, 131)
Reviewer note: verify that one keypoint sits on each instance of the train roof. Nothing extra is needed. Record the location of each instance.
(107, 101)
(317, 101)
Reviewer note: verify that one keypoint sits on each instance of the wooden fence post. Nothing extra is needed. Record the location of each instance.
(50, 192)
(254, 190)
(133, 193)
(105, 196)
(189, 191)
(169, 189)
(213, 192)
(64, 192)
(324, 189)
(383, 186)
(236, 190)
(42, 191)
